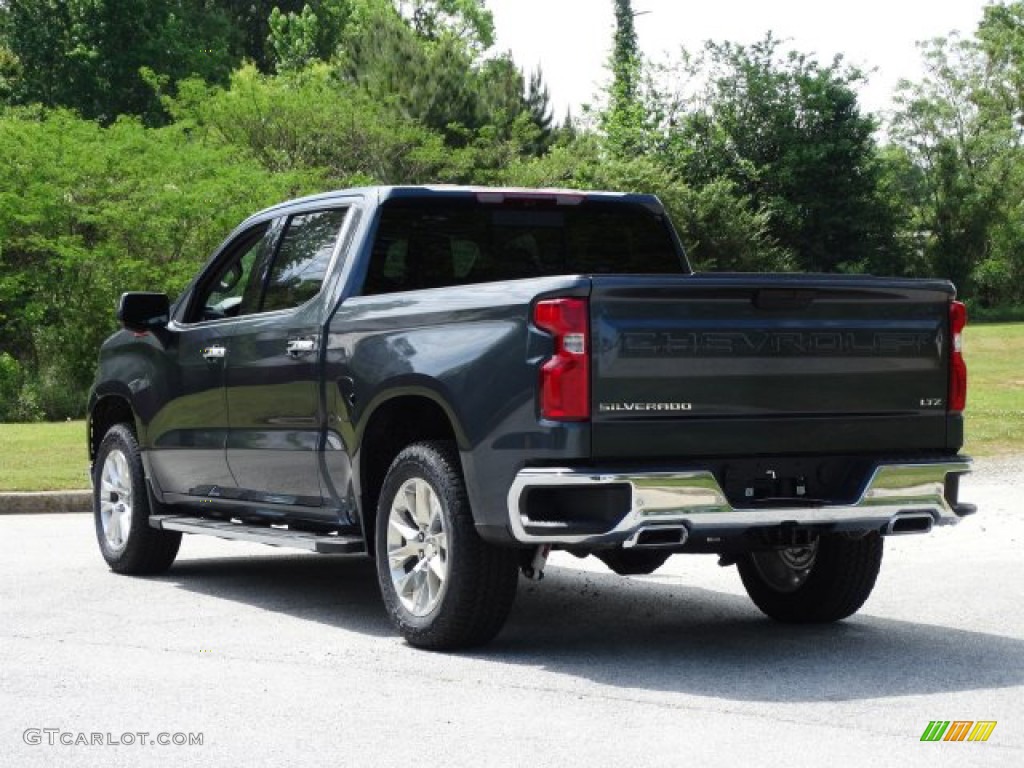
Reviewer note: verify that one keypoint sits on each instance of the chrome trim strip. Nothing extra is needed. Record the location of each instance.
(695, 499)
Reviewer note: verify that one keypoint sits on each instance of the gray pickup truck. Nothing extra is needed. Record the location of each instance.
(455, 381)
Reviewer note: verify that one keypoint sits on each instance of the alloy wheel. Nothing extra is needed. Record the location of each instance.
(116, 499)
(417, 547)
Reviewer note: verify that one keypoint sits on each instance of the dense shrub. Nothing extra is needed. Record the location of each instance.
(88, 212)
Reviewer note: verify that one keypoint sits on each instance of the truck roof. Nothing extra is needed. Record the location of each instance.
(382, 193)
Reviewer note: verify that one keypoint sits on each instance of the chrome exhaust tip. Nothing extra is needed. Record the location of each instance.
(909, 522)
(654, 536)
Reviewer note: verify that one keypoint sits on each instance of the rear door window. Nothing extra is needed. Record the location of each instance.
(302, 259)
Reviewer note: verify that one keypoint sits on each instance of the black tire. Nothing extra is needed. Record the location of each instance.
(836, 584)
(480, 582)
(140, 549)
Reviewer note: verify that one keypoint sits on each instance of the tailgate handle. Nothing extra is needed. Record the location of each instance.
(783, 298)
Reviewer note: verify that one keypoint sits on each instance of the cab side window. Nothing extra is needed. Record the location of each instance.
(233, 289)
(300, 265)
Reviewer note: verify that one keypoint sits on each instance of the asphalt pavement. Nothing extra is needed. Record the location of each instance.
(273, 658)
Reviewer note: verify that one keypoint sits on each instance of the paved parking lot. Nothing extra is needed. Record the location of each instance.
(277, 658)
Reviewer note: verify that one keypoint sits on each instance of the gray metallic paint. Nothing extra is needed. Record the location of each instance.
(471, 350)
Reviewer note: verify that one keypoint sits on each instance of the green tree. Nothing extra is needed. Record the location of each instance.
(467, 20)
(294, 38)
(299, 38)
(960, 129)
(623, 121)
(788, 134)
(88, 212)
(250, 23)
(718, 227)
(310, 120)
(538, 103)
(87, 54)
(429, 83)
(442, 83)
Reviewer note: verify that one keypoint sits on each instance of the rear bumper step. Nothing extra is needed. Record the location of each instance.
(897, 499)
(262, 534)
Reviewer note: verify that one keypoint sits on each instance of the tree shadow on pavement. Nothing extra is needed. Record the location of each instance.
(642, 634)
(665, 637)
(338, 591)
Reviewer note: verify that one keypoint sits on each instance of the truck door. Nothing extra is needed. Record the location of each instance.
(188, 434)
(272, 370)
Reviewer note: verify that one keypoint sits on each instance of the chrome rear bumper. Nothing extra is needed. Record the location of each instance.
(695, 502)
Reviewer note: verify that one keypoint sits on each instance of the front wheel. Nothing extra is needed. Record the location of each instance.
(121, 509)
(826, 581)
(443, 586)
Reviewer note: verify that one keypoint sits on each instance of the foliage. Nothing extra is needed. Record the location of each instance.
(314, 34)
(469, 21)
(75, 53)
(440, 82)
(787, 133)
(538, 104)
(16, 400)
(365, 91)
(624, 120)
(295, 38)
(311, 120)
(1004, 313)
(717, 226)
(762, 155)
(88, 212)
(961, 130)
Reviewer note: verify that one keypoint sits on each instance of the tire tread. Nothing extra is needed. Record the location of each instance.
(148, 551)
(842, 579)
(482, 578)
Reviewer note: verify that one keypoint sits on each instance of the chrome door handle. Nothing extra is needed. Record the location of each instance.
(214, 352)
(298, 347)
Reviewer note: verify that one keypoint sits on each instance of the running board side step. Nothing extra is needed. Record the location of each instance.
(325, 544)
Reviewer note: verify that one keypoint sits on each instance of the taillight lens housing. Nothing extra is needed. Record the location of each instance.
(957, 367)
(565, 376)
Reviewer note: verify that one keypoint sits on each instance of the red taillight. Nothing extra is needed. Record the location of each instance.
(565, 377)
(957, 366)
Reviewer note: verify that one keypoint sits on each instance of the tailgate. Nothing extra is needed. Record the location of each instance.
(727, 365)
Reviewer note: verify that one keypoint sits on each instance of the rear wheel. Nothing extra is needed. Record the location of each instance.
(828, 580)
(121, 509)
(443, 586)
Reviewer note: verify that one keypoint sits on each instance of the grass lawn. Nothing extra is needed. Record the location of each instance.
(995, 388)
(43, 457)
(38, 457)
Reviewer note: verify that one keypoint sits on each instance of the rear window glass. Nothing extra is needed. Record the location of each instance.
(434, 243)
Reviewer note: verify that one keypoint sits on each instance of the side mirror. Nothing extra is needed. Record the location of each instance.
(142, 312)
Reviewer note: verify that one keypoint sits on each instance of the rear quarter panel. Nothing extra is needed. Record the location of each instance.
(473, 351)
